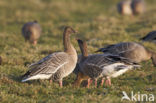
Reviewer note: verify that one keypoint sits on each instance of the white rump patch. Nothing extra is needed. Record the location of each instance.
(110, 69)
(120, 72)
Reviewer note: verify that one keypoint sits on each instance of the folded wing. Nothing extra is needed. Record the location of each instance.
(47, 66)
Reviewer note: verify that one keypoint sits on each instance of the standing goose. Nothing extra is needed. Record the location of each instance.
(130, 50)
(124, 7)
(138, 6)
(151, 37)
(100, 65)
(31, 32)
(57, 65)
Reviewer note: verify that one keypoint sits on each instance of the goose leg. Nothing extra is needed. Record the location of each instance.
(89, 82)
(60, 83)
(108, 82)
(95, 83)
(102, 81)
(50, 81)
(34, 42)
(78, 80)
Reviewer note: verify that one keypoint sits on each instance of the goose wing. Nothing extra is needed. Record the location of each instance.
(104, 60)
(106, 49)
(120, 48)
(46, 66)
(107, 64)
(94, 64)
(149, 36)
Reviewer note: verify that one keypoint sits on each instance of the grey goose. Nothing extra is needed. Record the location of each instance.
(124, 7)
(31, 32)
(151, 37)
(55, 66)
(130, 50)
(100, 65)
(138, 6)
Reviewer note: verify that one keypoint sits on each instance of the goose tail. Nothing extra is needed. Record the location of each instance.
(100, 50)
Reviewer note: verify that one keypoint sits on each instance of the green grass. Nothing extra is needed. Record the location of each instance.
(97, 22)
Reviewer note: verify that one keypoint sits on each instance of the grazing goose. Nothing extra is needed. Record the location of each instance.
(138, 6)
(131, 50)
(55, 66)
(151, 37)
(124, 7)
(31, 32)
(100, 65)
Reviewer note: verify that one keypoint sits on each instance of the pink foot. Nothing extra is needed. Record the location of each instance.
(89, 82)
(102, 81)
(108, 82)
(60, 83)
(35, 42)
(50, 81)
(95, 83)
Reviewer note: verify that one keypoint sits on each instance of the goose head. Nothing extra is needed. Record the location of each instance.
(69, 30)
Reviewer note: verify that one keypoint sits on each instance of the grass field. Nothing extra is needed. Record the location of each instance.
(97, 21)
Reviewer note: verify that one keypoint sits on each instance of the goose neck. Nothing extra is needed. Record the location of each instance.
(66, 42)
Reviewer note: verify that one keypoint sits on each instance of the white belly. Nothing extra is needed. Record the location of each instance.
(111, 71)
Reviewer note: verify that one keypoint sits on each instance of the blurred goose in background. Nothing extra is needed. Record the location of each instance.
(0, 60)
(151, 37)
(124, 7)
(138, 6)
(57, 65)
(130, 50)
(100, 65)
(31, 32)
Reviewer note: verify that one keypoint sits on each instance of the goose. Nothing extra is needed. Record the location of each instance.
(151, 36)
(100, 65)
(57, 65)
(131, 50)
(31, 32)
(138, 6)
(124, 7)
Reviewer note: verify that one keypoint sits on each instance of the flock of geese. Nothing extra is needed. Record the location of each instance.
(131, 7)
(115, 59)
